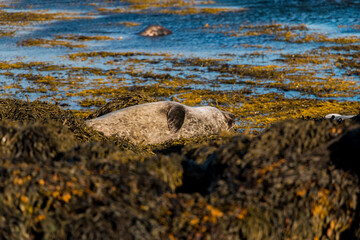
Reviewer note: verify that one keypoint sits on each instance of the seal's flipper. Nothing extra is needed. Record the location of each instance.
(176, 117)
(230, 118)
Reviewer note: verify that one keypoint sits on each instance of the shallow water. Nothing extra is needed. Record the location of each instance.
(204, 36)
(189, 38)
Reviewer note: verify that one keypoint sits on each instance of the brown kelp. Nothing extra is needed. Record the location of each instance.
(297, 179)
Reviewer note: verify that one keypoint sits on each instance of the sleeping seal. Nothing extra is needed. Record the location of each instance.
(155, 31)
(338, 117)
(158, 122)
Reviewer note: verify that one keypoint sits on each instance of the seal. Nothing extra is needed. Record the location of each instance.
(155, 31)
(338, 117)
(158, 122)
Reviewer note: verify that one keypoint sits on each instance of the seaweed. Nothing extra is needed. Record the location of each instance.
(282, 184)
(178, 7)
(101, 196)
(297, 179)
(33, 142)
(11, 109)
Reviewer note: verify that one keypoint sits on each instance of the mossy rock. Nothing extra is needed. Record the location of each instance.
(94, 190)
(294, 137)
(200, 166)
(167, 168)
(288, 177)
(95, 155)
(285, 183)
(33, 142)
(191, 216)
(19, 110)
(296, 180)
(65, 201)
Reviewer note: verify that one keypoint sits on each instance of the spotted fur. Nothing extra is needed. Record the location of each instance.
(154, 123)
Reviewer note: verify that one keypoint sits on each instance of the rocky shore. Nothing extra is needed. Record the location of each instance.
(298, 179)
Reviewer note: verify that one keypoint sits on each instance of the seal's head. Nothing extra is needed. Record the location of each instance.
(230, 119)
(203, 119)
(332, 116)
(155, 31)
(338, 117)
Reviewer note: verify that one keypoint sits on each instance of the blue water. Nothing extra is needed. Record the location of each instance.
(189, 36)
(189, 39)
